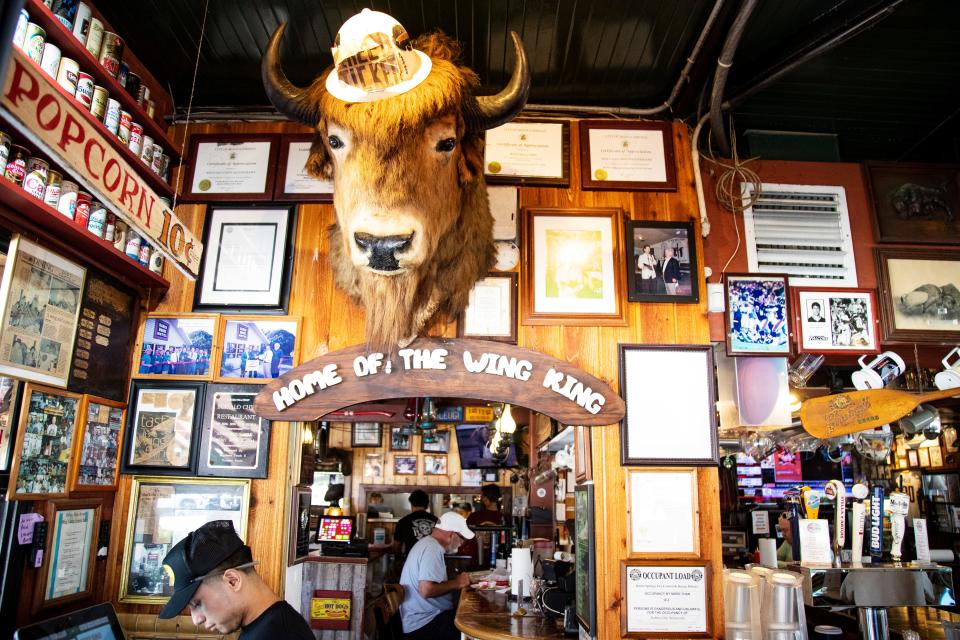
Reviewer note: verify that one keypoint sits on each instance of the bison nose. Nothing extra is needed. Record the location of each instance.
(382, 250)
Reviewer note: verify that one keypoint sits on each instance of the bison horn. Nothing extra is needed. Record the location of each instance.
(487, 112)
(289, 99)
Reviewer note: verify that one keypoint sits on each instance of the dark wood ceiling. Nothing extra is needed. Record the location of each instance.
(890, 92)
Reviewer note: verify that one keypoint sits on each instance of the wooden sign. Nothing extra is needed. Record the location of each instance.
(330, 609)
(464, 368)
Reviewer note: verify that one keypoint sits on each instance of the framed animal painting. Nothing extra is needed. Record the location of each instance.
(919, 295)
(915, 203)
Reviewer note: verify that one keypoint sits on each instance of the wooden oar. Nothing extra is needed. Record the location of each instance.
(843, 413)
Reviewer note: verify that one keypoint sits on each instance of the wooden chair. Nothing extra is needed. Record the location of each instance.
(386, 613)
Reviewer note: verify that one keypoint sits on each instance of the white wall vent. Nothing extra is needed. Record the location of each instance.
(803, 231)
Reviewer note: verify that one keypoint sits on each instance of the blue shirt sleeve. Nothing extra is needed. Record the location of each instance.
(433, 567)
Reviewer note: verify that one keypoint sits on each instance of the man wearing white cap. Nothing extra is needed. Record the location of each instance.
(427, 610)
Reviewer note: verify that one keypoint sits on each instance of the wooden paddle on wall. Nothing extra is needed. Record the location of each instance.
(843, 413)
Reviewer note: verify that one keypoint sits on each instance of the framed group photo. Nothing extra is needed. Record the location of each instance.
(234, 441)
(662, 263)
(919, 293)
(70, 553)
(97, 445)
(491, 312)
(757, 317)
(177, 346)
(835, 320)
(163, 435)
(257, 348)
(405, 465)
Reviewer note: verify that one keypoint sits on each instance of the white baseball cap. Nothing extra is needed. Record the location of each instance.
(373, 59)
(456, 523)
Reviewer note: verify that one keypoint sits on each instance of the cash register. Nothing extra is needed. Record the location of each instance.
(336, 536)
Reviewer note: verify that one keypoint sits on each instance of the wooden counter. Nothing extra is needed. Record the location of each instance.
(487, 615)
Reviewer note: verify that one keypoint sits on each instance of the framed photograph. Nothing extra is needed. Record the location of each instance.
(231, 166)
(662, 263)
(405, 465)
(471, 477)
(491, 313)
(835, 320)
(627, 155)
(299, 544)
(40, 298)
(912, 458)
(438, 442)
(528, 152)
(574, 273)
(176, 346)
(41, 456)
(10, 389)
(162, 512)
(294, 182)
(663, 513)
(584, 462)
(247, 259)
(665, 599)
(915, 203)
(163, 436)
(918, 293)
(757, 318)
(936, 456)
(257, 348)
(401, 439)
(70, 552)
(96, 447)
(670, 397)
(924, 456)
(234, 441)
(366, 434)
(373, 468)
(435, 465)
(586, 559)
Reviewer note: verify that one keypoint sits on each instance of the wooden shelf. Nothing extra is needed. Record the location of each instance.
(24, 213)
(72, 48)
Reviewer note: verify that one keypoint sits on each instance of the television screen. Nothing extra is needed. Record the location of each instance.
(781, 471)
(472, 442)
(335, 529)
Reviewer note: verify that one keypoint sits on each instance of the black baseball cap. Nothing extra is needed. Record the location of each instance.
(194, 557)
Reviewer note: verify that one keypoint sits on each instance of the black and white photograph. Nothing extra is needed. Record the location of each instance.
(843, 320)
(177, 347)
(435, 465)
(42, 456)
(436, 441)
(757, 318)
(405, 465)
(366, 434)
(661, 262)
(921, 294)
(234, 441)
(257, 349)
(98, 445)
(401, 439)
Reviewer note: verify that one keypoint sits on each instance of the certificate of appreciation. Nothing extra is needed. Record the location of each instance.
(525, 149)
(626, 155)
(231, 167)
(297, 180)
(666, 599)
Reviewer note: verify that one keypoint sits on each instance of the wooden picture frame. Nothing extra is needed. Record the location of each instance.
(670, 397)
(98, 441)
(557, 290)
(241, 337)
(401, 438)
(293, 183)
(827, 320)
(247, 259)
(154, 498)
(177, 346)
(435, 465)
(936, 456)
(441, 444)
(366, 435)
(491, 312)
(606, 147)
(663, 513)
(912, 459)
(10, 395)
(234, 441)
(67, 520)
(298, 545)
(517, 153)
(219, 185)
(911, 281)
(42, 463)
(757, 319)
(923, 454)
(660, 236)
(164, 420)
(914, 203)
(584, 453)
(405, 465)
(677, 578)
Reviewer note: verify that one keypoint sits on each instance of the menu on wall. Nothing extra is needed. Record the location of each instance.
(103, 339)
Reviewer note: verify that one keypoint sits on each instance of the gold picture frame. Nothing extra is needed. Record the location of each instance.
(170, 332)
(96, 448)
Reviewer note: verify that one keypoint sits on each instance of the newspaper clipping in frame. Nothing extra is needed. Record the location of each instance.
(41, 302)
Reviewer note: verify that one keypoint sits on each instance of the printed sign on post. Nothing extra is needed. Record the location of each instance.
(761, 522)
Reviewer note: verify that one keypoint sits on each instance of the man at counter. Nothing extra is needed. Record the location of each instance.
(416, 525)
(428, 606)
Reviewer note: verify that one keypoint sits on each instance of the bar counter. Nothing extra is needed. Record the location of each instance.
(488, 615)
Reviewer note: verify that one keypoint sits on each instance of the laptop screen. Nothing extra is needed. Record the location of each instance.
(335, 529)
(94, 623)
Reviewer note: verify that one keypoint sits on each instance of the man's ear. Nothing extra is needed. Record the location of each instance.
(233, 579)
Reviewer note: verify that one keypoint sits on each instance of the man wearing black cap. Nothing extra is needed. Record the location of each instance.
(212, 573)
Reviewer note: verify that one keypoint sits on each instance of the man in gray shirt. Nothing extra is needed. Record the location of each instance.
(427, 610)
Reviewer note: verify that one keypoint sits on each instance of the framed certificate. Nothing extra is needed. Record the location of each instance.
(68, 570)
(528, 152)
(665, 599)
(294, 183)
(234, 441)
(623, 155)
(663, 513)
(491, 312)
(231, 166)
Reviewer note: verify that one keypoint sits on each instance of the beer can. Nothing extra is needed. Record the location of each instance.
(98, 219)
(81, 23)
(81, 214)
(111, 51)
(156, 262)
(156, 162)
(98, 105)
(35, 180)
(123, 129)
(132, 247)
(33, 42)
(143, 256)
(112, 118)
(122, 74)
(51, 195)
(20, 33)
(167, 202)
(50, 60)
(136, 138)
(165, 168)
(67, 204)
(120, 236)
(5, 143)
(143, 94)
(16, 168)
(84, 89)
(133, 84)
(111, 227)
(68, 72)
(66, 12)
(94, 37)
(151, 108)
(146, 152)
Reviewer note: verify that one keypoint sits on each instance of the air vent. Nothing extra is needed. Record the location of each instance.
(803, 231)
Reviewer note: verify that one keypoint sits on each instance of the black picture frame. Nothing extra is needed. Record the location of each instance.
(440, 445)
(585, 559)
(401, 439)
(247, 424)
(132, 432)
(680, 236)
(358, 442)
(914, 203)
(202, 300)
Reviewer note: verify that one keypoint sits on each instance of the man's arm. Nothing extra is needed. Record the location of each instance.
(430, 589)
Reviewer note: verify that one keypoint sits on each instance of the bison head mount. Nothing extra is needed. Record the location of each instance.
(413, 229)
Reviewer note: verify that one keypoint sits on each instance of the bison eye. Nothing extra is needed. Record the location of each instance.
(335, 142)
(447, 145)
